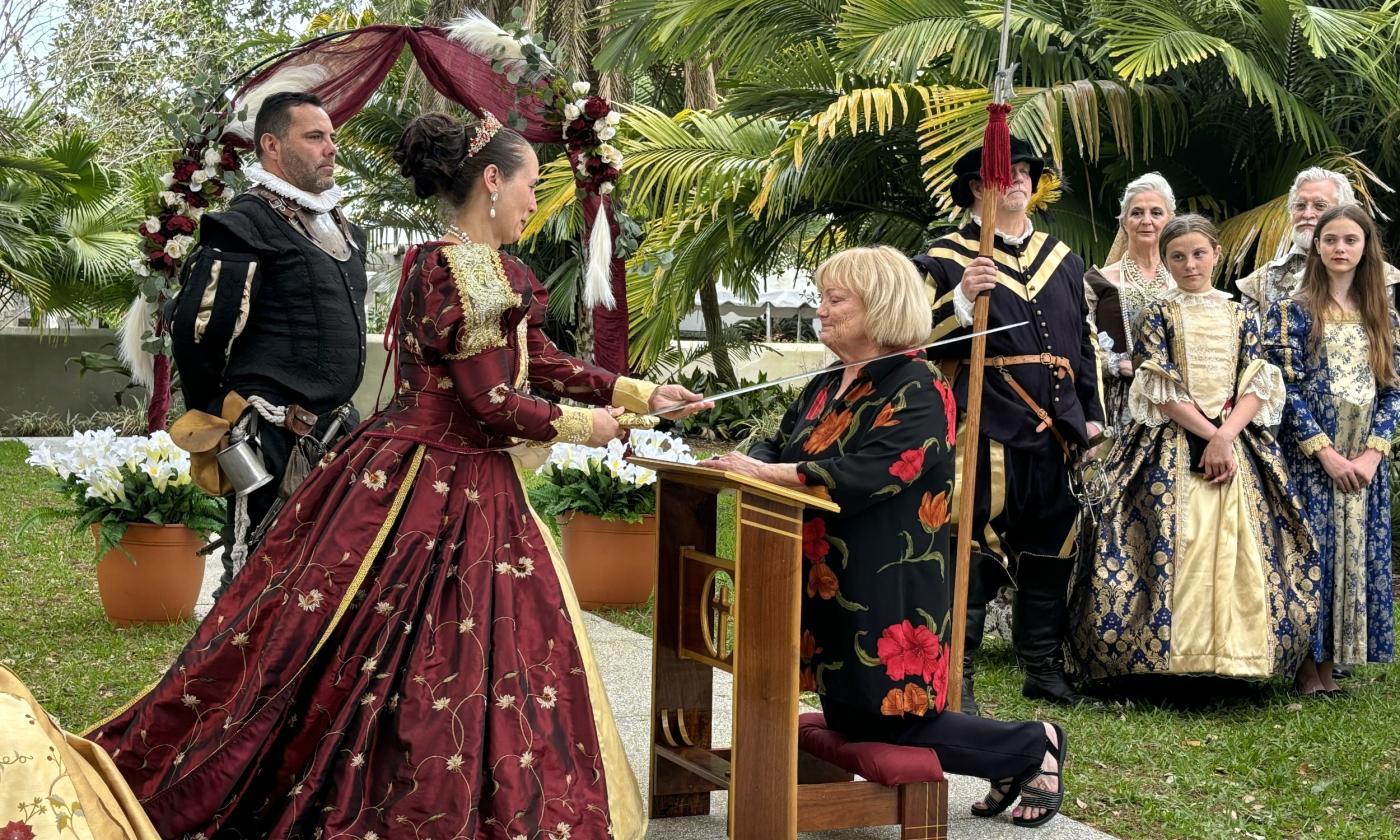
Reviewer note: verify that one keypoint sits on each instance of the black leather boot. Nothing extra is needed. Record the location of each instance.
(1039, 619)
(972, 640)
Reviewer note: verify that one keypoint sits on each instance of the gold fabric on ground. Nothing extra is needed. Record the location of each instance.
(57, 784)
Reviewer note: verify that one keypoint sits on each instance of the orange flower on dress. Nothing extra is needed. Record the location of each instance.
(807, 682)
(822, 582)
(808, 647)
(859, 392)
(911, 700)
(933, 510)
(832, 427)
(885, 417)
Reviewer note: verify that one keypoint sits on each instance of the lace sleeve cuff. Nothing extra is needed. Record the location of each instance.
(633, 394)
(1153, 386)
(1265, 381)
(962, 306)
(1315, 444)
(1379, 444)
(573, 425)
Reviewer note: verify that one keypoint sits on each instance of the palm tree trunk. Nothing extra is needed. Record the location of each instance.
(700, 94)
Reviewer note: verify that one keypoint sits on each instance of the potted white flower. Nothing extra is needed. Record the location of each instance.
(606, 510)
(147, 517)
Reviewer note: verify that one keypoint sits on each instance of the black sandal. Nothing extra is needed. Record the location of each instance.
(1033, 797)
(1009, 789)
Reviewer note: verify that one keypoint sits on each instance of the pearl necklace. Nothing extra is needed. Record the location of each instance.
(1136, 292)
(454, 230)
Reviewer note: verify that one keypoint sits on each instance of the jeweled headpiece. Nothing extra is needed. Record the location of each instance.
(485, 130)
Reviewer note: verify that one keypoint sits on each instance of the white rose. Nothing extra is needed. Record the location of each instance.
(581, 88)
(212, 156)
(140, 266)
(152, 225)
(605, 188)
(198, 178)
(172, 199)
(178, 246)
(606, 133)
(614, 117)
(167, 180)
(572, 112)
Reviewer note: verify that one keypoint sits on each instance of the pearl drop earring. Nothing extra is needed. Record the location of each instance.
(493, 205)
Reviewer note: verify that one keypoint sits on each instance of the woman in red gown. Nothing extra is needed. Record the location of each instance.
(404, 656)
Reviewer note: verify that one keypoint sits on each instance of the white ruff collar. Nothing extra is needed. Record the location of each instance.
(1013, 241)
(322, 202)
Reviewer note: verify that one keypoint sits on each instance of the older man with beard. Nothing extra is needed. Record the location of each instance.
(1315, 191)
(271, 308)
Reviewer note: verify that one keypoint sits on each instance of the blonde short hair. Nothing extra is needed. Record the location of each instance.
(897, 312)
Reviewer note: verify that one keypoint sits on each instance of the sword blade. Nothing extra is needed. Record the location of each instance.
(797, 377)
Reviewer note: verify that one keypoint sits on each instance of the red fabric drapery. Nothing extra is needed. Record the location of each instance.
(356, 63)
(351, 67)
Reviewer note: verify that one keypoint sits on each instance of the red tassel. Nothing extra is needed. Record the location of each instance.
(996, 148)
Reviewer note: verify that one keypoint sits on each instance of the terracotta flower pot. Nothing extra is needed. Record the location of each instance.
(159, 582)
(612, 564)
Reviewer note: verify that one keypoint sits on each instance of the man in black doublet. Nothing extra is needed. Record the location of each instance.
(1041, 409)
(271, 304)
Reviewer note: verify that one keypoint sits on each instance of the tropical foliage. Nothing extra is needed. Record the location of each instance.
(599, 481)
(840, 120)
(66, 222)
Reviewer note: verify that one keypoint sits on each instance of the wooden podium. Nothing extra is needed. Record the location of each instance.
(699, 601)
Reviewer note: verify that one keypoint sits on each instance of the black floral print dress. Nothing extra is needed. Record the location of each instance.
(877, 597)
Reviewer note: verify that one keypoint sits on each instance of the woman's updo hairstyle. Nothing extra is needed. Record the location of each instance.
(433, 152)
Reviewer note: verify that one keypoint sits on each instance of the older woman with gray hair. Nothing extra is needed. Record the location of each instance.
(877, 439)
(1133, 278)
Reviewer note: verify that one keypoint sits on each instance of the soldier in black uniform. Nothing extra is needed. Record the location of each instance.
(271, 304)
(1041, 409)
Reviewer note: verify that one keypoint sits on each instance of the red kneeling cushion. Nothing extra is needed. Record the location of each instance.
(887, 764)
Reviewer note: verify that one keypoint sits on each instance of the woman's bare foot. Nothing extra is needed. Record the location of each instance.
(1309, 679)
(991, 804)
(1044, 781)
(1324, 676)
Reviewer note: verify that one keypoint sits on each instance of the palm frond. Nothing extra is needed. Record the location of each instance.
(904, 36)
(693, 159)
(1147, 41)
(555, 193)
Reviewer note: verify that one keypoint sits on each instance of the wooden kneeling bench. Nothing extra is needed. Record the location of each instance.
(905, 785)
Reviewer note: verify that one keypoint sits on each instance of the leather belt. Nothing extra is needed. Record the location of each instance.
(1059, 365)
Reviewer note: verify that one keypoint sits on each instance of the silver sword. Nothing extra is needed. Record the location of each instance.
(797, 377)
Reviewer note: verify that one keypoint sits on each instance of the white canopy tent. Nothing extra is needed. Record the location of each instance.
(787, 294)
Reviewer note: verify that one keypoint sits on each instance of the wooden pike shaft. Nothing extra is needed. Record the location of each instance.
(967, 481)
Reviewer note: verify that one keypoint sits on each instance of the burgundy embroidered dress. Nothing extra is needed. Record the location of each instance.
(404, 656)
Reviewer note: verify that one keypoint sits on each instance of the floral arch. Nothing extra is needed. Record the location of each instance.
(472, 62)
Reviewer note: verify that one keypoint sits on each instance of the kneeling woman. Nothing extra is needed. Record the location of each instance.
(1204, 563)
(878, 439)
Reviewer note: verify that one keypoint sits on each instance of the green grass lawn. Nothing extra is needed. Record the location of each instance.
(1227, 761)
(52, 630)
